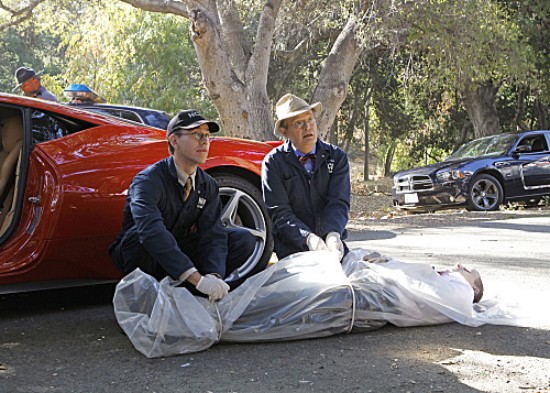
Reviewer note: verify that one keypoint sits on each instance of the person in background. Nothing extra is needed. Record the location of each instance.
(172, 217)
(306, 184)
(29, 81)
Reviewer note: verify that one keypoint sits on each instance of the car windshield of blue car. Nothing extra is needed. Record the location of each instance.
(489, 146)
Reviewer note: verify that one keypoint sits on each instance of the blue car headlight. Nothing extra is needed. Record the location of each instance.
(448, 175)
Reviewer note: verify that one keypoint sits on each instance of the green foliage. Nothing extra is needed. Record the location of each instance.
(29, 43)
(126, 55)
(452, 45)
(137, 58)
(426, 53)
(459, 42)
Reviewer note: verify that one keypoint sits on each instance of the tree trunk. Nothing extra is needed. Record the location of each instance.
(366, 127)
(542, 115)
(463, 134)
(242, 102)
(334, 79)
(334, 132)
(389, 158)
(480, 104)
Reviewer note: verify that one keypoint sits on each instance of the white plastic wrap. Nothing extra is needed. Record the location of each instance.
(302, 296)
(305, 295)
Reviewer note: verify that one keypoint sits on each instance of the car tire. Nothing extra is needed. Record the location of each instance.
(243, 207)
(485, 193)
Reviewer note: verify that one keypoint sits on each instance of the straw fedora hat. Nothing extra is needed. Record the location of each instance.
(289, 106)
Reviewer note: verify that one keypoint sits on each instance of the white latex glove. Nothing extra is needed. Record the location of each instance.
(334, 244)
(212, 286)
(315, 243)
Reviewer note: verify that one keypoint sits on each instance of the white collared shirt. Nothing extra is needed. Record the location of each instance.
(182, 177)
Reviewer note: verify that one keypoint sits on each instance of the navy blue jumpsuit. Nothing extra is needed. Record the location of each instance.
(299, 202)
(164, 235)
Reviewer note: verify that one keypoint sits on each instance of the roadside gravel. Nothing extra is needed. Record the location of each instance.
(374, 208)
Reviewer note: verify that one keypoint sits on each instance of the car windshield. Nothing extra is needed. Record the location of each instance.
(491, 146)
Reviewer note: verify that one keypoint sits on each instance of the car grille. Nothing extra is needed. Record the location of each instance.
(413, 183)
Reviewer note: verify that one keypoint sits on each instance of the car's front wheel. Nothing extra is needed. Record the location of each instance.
(243, 207)
(485, 193)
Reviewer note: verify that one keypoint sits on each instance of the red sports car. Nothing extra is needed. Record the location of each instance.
(64, 176)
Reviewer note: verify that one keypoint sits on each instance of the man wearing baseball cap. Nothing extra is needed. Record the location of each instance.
(171, 219)
(29, 81)
(306, 184)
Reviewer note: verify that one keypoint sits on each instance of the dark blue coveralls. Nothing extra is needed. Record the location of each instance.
(163, 235)
(299, 202)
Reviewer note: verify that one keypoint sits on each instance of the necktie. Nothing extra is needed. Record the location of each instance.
(308, 161)
(307, 157)
(187, 189)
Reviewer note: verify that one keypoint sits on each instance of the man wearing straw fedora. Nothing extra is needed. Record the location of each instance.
(29, 81)
(306, 183)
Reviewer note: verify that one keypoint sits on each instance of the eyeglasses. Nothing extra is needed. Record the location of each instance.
(300, 124)
(199, 136)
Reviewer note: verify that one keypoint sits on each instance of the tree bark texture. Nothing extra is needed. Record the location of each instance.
(480, 104)
(333, 83)
(389, 158)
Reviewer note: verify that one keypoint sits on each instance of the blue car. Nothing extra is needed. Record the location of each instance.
(481, 175)
(83, 97)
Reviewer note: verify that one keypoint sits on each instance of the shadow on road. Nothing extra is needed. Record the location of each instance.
(53, 300)
(369, 235)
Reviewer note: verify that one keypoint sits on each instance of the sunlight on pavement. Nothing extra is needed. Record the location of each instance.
(500, 373)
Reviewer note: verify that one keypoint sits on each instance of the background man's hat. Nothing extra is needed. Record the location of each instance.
(189, 119)
(289, 106)
(23, 74)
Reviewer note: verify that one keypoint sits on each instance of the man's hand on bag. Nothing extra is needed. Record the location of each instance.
(334, 244)
(315, 243)
(212, 286)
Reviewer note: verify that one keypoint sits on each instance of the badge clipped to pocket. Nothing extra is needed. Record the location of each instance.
(330, 165)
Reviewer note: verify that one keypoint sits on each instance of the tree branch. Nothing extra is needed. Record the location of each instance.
(238, 47)
(261, 56)
(302, 47)
(163, 6)
(18, 16)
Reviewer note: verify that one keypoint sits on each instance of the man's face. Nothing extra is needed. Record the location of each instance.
(302, 131)
(469, 274)
(30, 86)
(191, 146)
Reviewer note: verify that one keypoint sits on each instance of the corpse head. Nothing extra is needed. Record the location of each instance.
(474, 279)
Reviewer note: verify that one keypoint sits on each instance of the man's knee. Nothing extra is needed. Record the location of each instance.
(249, 242)
(129, 254)
(116, 257)
(242, 241)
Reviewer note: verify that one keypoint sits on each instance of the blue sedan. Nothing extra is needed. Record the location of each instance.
(481, 175)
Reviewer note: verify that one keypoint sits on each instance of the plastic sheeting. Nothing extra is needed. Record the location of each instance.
(302, 296)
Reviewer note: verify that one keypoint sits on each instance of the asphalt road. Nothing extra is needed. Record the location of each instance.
(69, 341)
